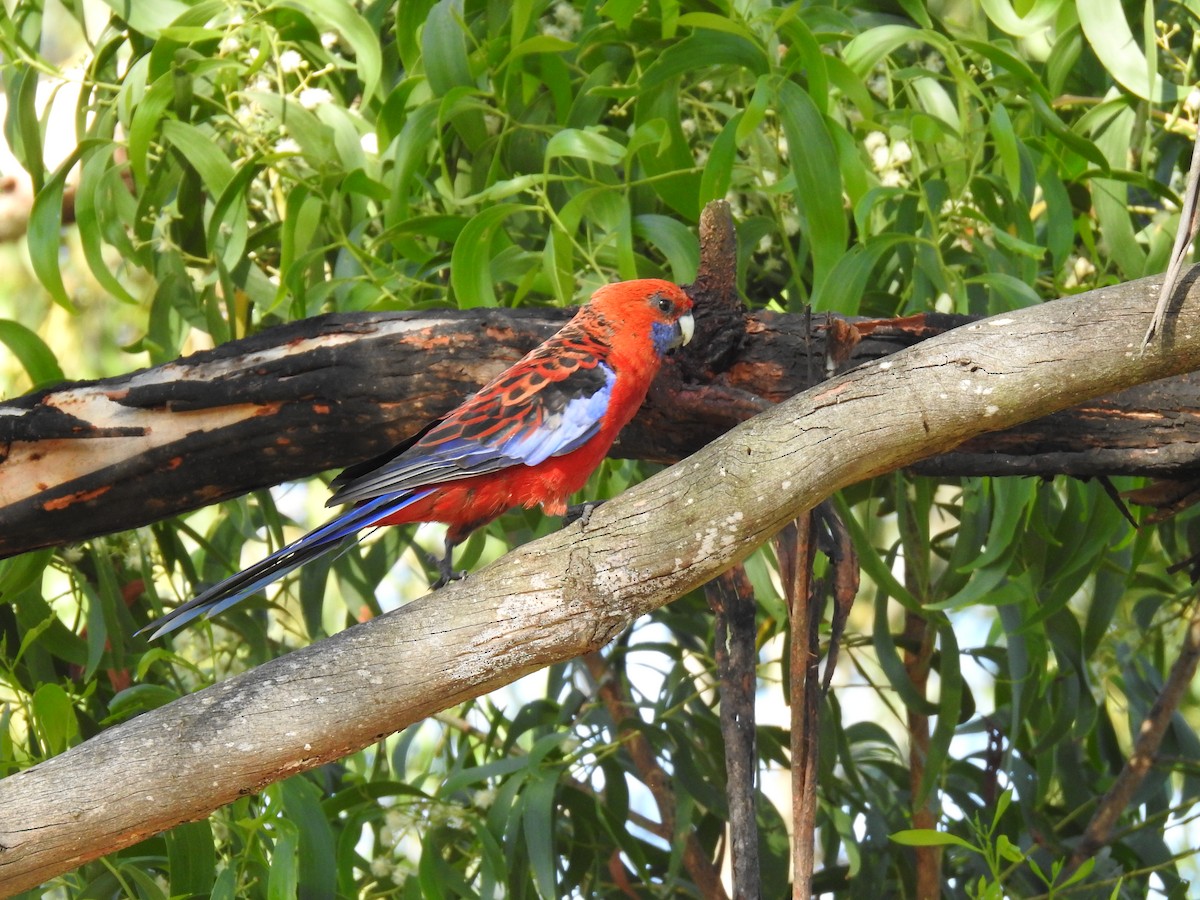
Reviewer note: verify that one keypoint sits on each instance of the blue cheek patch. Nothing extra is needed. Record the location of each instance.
(664, 337)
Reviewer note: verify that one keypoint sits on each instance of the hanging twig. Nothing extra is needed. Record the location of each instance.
(795, 549)
(731, 598)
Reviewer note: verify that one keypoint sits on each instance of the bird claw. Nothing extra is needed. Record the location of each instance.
(446, 570)
(581, 512)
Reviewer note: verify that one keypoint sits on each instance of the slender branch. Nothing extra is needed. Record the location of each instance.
(917, 663)
(651, 773)
(572, 591)
(795, 548)
(1185, 233)
(731, 598)
(1099, 830)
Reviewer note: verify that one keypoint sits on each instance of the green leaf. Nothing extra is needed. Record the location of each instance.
(471, 260)
(317, 861)
(19, 573)
(1013, 500)
(702, 50)
(283, 880)
(31, 351)
(714, 22)
(891, 663)
(21, 125)
(191, 858)
(541, 43)
(148, 112)
(139, 698)
(927, 837)
(1001, 128)
(537, 819)
(676, 242)
(1107, 30)
(843, 290)
(1035, 20)
(201, 152)
(45, 230)
(865, 50)
(148, 18)
(718, 168)
(621, 12)
(587, 144)
(1111, 196)
(813, 161)
(1080, 873)
(91, 204)
(444, 48)
(54, 715)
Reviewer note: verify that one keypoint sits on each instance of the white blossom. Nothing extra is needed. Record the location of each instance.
(312, 97)
(1192, 103)
(291, 61)
(381, 866)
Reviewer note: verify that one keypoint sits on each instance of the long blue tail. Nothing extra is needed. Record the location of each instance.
(332, 535)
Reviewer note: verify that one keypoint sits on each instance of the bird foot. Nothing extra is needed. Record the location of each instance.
(581, 512)
(448, 576)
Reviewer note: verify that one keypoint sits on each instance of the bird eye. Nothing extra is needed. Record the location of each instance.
(664, 304)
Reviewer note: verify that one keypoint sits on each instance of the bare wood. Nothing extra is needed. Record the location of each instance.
(796, 548)
(94, 458)
(731, 598)
(572, 591)
(1184, 234)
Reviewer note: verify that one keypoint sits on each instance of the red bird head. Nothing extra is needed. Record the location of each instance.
(648, 310)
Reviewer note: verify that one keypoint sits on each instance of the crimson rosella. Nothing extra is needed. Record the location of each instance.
(529, 437)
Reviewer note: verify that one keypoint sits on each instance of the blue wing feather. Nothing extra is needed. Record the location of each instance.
(318, 542)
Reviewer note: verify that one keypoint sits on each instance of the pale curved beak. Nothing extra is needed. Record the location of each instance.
(687, 326)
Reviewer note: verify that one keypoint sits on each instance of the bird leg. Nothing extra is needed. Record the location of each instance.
(446, 563)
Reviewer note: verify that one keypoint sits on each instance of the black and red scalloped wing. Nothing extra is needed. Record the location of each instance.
(547, 404)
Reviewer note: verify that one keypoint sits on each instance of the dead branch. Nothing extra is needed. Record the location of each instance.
(91, 458)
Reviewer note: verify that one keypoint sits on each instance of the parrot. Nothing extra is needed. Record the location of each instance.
(531, 436)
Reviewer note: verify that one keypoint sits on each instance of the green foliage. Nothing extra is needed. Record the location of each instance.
(238, 164)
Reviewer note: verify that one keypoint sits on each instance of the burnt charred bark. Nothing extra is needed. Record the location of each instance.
(89, 458)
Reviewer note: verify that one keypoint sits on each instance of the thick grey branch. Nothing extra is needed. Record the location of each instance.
(572, 591)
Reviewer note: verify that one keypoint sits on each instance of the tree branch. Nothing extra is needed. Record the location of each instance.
(92, 458)
(572, 591)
